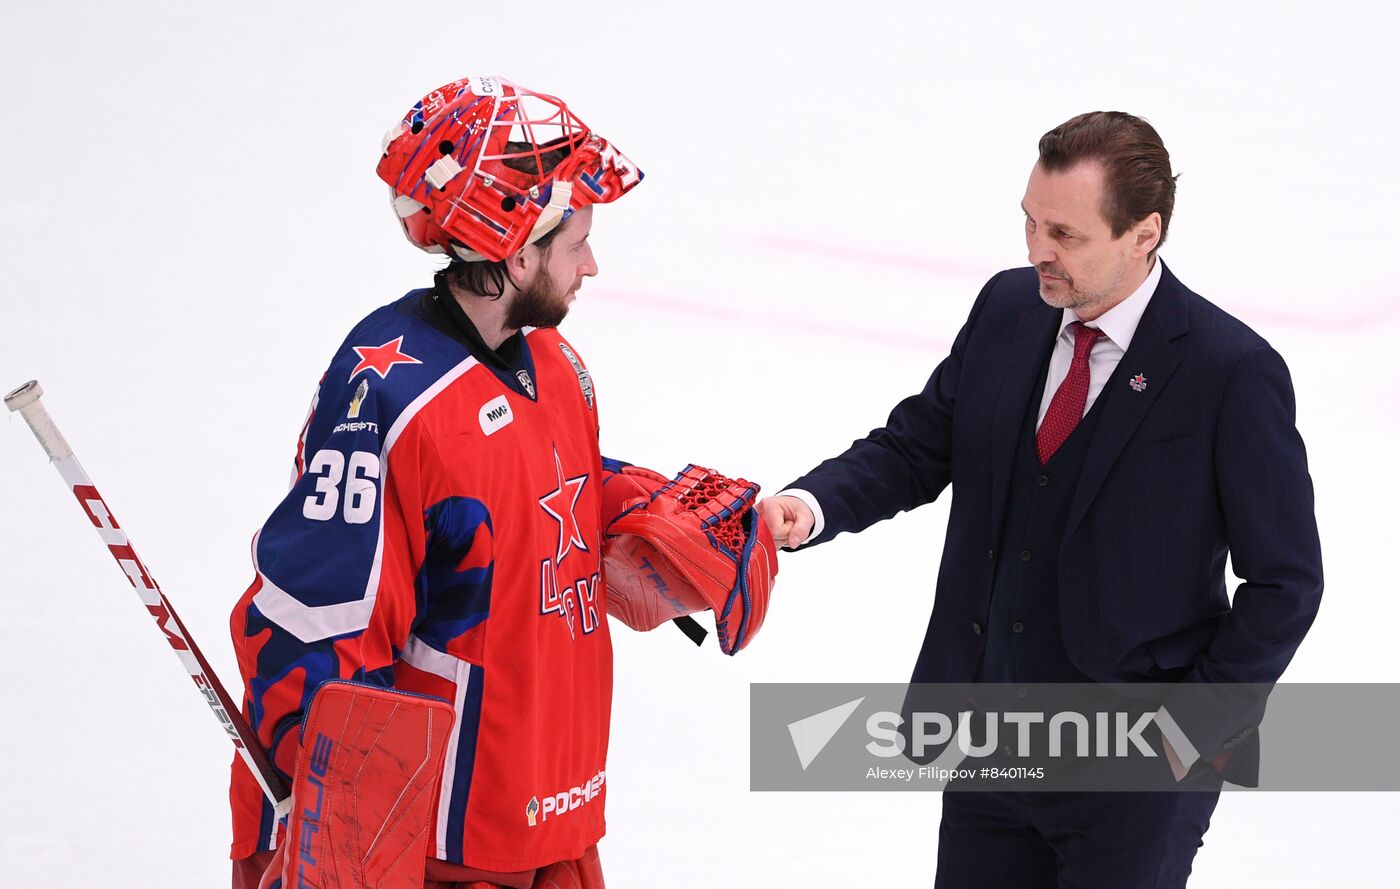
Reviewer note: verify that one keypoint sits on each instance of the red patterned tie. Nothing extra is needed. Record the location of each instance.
(1067, 407)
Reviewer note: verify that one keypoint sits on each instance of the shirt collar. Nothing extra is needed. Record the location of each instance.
(1120, 322)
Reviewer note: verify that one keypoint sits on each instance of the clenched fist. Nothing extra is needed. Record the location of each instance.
(789, 520)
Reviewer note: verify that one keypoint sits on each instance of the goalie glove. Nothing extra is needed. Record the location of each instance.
(677, 546)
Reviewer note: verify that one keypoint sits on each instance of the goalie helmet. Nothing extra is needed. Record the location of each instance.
(482, 167)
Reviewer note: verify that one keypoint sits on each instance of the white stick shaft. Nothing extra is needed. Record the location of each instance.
(26, 400)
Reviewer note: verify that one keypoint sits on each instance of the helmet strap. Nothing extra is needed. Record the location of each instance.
(560, 193)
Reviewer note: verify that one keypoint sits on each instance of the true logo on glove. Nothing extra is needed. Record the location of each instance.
(312, 788)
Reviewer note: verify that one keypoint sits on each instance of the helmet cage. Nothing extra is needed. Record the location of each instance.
(482, 167)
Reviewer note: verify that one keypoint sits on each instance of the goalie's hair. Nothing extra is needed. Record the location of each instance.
(484, 278)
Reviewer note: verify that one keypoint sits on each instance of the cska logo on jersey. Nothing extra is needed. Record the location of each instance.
(381, 359)
(561, 504)
(577, 602)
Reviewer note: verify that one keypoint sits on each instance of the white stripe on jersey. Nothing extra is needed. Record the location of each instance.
(466, 673)
(427, 395)
(311, 623)
(422, 656)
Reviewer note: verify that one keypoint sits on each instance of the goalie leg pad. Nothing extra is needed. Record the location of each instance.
(365, 788)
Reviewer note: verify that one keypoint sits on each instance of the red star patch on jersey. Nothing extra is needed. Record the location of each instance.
(381, 359)
(560, 504)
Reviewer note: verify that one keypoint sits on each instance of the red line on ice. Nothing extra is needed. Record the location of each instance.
(932, 346)
(1258, 311)
(862, 254)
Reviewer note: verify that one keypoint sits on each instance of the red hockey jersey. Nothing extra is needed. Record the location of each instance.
(442, 536)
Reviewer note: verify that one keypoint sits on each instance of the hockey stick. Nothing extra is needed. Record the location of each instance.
(25, 399)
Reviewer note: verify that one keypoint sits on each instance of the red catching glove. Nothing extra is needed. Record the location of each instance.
(677, 546)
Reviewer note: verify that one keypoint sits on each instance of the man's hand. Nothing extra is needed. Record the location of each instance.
(789, 520)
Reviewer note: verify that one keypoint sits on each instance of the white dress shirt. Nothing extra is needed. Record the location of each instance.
(1118, 325)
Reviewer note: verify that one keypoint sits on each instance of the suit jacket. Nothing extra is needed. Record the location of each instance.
(1204, 461)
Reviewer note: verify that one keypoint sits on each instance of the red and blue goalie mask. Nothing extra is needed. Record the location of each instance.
(482, 167)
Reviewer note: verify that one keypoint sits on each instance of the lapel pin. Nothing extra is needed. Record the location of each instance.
(1139, 383)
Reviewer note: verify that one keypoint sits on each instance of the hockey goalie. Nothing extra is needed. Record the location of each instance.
(430, 597)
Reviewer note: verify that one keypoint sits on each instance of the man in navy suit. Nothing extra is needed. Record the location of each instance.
(1110, 437)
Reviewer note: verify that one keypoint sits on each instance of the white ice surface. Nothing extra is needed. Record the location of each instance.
(190, 222)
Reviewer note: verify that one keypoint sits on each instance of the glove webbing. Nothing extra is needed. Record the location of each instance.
(718, 502)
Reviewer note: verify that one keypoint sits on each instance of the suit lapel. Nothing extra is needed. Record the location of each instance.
(1035, 332)
(1154, 356)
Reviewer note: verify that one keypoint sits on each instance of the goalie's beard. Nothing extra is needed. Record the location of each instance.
(543, 304)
